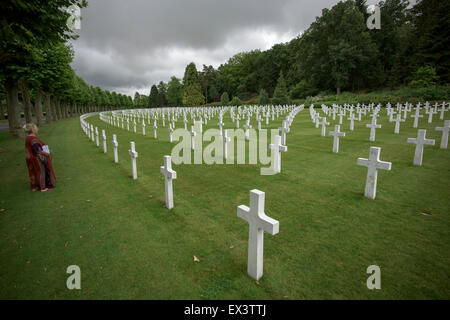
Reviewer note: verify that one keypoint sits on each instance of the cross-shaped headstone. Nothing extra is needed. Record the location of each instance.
(277, 147)
(96, 137)
(284, 130)
(155, 130)
(170, 133)
(225, 140)
(115, 145)
(442, 110)
(258, 223)
(193, 134)
(373, 126)
(336, 134)
(133, 154)
(324, 124)
(92, 133)
(104, 141)
(221, 124)
(247, 128)
(445, 129)
(352, 121)
(237, 121)
(373, 164)
(169, 175)
(420, 142)
(397, 123)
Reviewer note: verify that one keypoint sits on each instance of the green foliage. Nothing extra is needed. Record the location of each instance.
(263, 97)
(192, 90)
(224, 99)
(280, 95)
(424, 77)
(174, 93)
(302, 90)
(235, 101)
(153, 98)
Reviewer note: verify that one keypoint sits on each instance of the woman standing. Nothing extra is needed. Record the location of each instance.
(39, 164)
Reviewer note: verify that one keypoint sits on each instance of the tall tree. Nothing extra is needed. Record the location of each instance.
(280, 95)
(192, 90)
(174, 93)
(153, 99)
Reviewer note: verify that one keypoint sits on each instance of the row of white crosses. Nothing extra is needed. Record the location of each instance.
(374, 163)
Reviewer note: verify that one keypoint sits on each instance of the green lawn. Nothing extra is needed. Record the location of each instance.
(129, 246)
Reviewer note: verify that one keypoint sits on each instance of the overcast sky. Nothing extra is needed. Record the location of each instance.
(128, 45)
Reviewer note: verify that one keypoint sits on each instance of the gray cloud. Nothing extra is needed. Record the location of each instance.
(127, 46)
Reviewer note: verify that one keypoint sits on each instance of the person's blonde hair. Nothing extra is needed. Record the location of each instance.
(28, 128)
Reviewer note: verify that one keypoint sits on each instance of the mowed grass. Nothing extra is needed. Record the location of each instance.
(129, 246)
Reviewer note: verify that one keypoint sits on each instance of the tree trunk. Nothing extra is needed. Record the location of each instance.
(26, 101)
(338, 91)
(58, 108)
(2, 112)
(48, 108)
(53, 108)
(12, 101)
(38, 108)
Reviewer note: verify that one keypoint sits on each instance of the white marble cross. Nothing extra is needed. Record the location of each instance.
(133, 155)
(128, 124)
(267, 117)
(193, 134)
(104, 141)
(445, 129)
(92, 133)
(324, 124)
(225, 140)
(416, 117)
(169, 175)
(96, 137)
(372, 127)
(200, 128)
(277, 147)
(258, 223)
(115, 145)
(143, 127)
(237, 121)
(221, 124)
(284, 130)
(259, 119)
(420, 142)
(373, 164)
(336, 134)
(185, 122)
(170, 133)
(247, 128)
(134, 126)
(155, 129)
(341, 114)
(442, 110)
(397, 123)
(352, 121)
(430, 114)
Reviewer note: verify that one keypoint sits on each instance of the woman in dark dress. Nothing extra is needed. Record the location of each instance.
(39, 164)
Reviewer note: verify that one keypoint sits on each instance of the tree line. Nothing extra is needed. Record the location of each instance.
(337, 52)
(35, 59)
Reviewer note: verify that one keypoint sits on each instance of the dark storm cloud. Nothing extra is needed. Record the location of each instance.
(129, 45)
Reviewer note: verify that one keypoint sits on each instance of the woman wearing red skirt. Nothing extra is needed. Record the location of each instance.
(39, 164)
